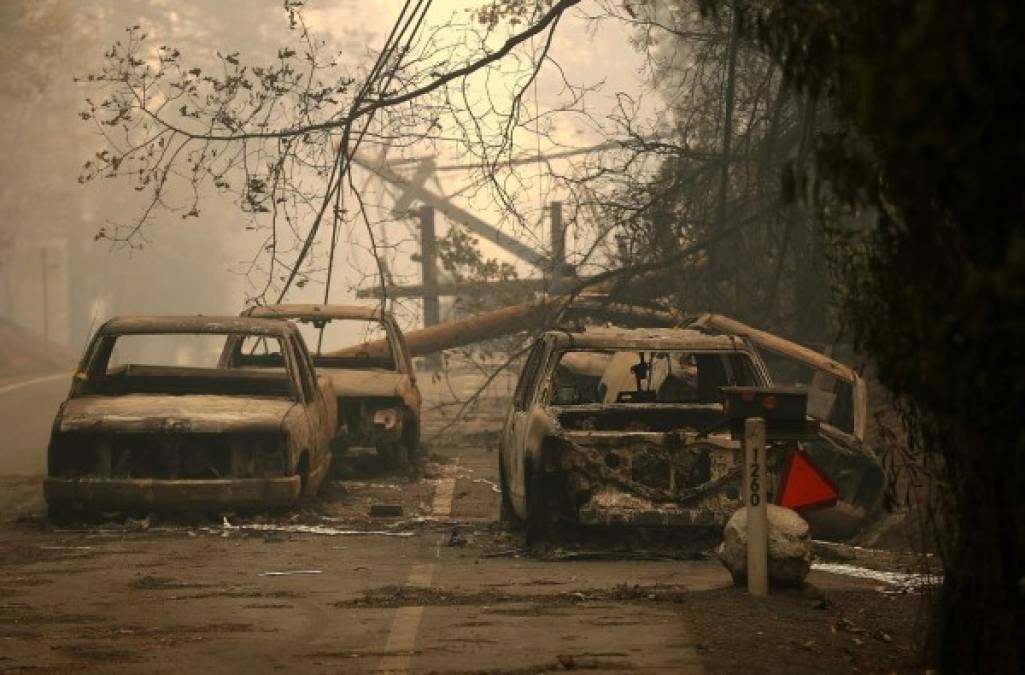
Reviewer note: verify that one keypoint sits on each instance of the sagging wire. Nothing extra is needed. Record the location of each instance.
(419, 13)
(343, 156)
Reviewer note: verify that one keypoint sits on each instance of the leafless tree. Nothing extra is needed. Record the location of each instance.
(684, 186)
(280, 138)
(723, 147)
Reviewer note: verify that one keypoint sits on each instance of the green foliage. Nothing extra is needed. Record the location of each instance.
(459, 254)
(489, 284)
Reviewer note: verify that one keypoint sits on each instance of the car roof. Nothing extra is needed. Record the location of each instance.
(143, 325)
(648, 339)
(300, 311)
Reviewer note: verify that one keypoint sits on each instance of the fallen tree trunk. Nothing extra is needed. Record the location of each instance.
(548, 311)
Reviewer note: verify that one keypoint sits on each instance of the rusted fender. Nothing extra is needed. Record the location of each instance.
(366, 382)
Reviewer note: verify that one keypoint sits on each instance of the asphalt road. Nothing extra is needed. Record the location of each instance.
(441, 588)
(27, 408)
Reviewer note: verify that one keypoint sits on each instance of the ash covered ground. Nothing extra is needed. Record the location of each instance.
(410, 570)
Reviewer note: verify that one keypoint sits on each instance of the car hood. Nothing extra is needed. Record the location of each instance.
(159, 413)
(366, 383)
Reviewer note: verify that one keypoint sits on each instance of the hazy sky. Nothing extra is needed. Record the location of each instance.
(588, 53)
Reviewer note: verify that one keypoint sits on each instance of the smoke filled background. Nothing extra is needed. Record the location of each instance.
(842, 175)
(60, 278)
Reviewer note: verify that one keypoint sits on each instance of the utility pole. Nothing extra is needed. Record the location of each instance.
(721, 265)
(453, 213)
(429, 275)
(558, 235)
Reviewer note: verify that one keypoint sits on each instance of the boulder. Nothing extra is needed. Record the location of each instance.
(789, 547)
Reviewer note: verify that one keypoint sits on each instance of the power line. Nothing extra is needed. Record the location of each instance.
(344, 157)
(540, 157)
(422, 14)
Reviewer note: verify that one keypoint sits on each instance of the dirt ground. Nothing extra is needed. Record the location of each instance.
(430, 583)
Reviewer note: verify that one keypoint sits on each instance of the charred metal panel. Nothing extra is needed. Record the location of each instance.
(650, 477)
(358, 420)
(111, 450)
(372, 406)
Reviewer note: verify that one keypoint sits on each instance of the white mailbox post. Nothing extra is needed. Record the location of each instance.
(755, 480)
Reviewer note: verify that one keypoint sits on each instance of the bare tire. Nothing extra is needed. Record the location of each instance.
(394, 455)
(411, 441)
(540, 502)
(60, 516)
(336, 469)
(506, 513)
(303, 469)
(405, 451)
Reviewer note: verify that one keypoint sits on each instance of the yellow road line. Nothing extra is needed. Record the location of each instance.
(442, 505)
(401, 641)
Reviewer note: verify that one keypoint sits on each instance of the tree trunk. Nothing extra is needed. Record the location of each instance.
(811, 283)
(981, 604)
(721, 257)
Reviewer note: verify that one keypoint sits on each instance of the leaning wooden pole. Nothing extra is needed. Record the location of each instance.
(558, 236)
(516, 319)
(429, 264)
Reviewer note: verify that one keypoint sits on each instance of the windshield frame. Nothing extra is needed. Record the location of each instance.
(96, 360)
(322, 360)
(548, 389)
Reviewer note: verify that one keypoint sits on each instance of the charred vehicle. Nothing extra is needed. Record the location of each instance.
(154, 421)
(362, 351)
(615, 427)
(838, 399)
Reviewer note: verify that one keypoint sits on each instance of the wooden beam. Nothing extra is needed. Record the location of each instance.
(516, 319)
(455, 213)
(429, 264)
(449, 289)
(558, 235)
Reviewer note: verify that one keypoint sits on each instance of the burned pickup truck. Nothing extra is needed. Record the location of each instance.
(154, 421)
(615, 427)
(362, 351)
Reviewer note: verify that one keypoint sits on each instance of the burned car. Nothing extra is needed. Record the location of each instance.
(616, 427)
(362, 351)
(838, 399)
(154, 421)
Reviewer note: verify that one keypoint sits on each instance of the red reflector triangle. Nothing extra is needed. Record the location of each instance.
(804, 486)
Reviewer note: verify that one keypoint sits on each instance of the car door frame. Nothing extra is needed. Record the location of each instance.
(403, 362)
(819, 363)
(512, 452)
(318, 413)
